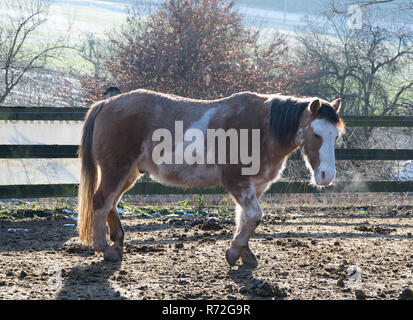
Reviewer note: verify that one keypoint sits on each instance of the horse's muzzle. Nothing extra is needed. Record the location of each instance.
(324, 176)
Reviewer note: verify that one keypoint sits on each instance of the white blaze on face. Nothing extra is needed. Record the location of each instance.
(328, 132)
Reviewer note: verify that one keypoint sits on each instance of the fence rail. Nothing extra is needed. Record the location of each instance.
(153, 188)
(70, 151)
(76, 114)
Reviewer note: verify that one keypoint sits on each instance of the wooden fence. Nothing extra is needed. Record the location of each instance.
(69, 151)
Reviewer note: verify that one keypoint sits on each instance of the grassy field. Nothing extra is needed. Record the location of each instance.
(72, 22)
(81, 20)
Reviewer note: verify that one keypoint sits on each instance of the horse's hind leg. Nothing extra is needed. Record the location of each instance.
(116, 231)
(107, 195)
(248, 217)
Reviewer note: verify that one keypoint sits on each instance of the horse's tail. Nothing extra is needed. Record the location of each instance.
(88, 177)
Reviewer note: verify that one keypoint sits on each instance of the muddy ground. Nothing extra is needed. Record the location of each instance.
(304, 252)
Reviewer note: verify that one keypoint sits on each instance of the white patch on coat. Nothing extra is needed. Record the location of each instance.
(328, 132)
(203, 122)
(250, 208)
(186, 174)
(194, 137)
(308, 166)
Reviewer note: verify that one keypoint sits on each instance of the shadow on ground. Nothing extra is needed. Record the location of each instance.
(89, 282)
(243, 279)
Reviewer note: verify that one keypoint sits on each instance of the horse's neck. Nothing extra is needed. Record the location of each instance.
(277, 149)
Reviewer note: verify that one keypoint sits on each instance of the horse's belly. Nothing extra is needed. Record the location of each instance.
(187, 175)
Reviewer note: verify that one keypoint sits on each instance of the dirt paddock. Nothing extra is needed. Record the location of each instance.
(319, 251)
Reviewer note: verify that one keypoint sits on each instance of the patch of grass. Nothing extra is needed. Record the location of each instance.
(40, 209)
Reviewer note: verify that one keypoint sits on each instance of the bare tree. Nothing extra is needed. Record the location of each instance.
(405, 4)
(91, 49)
(195, 48)
(20, 48)
(393, 7)
(369, 67)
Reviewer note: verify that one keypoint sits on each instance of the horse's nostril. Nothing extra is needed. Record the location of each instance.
(323, 174)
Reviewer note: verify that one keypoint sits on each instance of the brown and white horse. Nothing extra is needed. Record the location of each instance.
(119, 140)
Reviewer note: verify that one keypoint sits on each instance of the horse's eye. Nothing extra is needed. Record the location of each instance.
(317, 136)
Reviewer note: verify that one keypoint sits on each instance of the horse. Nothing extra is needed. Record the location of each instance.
(121, 134)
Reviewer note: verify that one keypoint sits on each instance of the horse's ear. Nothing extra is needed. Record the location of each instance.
(314, 106)
(336, 104)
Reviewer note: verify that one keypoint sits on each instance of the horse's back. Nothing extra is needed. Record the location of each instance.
(127, 122)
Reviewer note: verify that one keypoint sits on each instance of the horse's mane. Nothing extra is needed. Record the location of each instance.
(286, 113)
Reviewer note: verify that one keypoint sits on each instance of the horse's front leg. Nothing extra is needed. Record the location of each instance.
(248, 217)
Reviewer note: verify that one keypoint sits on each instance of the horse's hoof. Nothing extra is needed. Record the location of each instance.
(248, 258)
(232, 255)
(111, 254)
(119, 250)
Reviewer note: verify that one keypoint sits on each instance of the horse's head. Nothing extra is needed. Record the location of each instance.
(319, 128)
